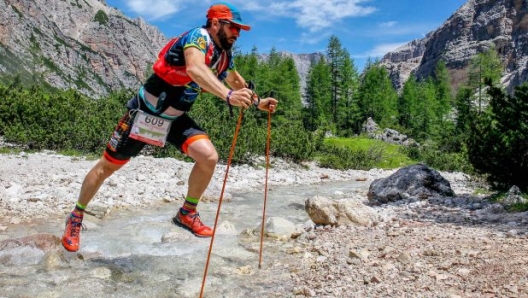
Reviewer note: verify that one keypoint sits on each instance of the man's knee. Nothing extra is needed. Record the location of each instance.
(105, 168)
(208, 157)
(203, 152)
(211, 157)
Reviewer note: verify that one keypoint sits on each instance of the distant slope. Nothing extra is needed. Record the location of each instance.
(83, 45)
(79, 44)
(475, 27)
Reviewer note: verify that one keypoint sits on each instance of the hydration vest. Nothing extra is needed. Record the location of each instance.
(170, 65)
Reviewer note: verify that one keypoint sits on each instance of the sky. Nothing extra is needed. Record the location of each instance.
(367, 29)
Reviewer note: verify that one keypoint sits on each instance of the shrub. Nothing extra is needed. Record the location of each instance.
(438, 159)
(101, 17)
(343, 158)
(497, 144)
(60, 121)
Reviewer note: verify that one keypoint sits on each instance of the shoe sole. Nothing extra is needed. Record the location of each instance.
(179, 224)
(66, 248)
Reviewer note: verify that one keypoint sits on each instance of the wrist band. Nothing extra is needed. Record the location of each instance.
(228, 97)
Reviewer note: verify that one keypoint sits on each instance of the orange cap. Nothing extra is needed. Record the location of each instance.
(225, 11)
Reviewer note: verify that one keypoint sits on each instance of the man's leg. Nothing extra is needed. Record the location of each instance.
(118, 152)
(206, 158)
(95, 178)
(91, 184)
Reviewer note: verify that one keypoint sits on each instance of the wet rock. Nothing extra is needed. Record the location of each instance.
(277, 227)
(245, 270)
(101, 273)
(226, 228)
(325, 211)
(44, 242)
(98, 210)
(53, 260)
(175, 236)
(513, 197)
(416, 180)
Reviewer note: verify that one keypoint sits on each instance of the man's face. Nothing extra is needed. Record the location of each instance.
(228, 34)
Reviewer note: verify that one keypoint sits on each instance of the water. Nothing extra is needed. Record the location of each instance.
(139, 253)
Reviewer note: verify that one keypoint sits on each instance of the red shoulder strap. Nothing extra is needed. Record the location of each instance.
(166, 48)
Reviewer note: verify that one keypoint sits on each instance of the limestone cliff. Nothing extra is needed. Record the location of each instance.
(79, 44)
(475, 27)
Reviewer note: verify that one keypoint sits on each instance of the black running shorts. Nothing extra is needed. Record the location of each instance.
(121, 148)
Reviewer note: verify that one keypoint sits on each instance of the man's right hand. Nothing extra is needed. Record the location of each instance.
(241, 98)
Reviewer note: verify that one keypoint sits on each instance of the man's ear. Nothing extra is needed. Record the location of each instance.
(216, 23)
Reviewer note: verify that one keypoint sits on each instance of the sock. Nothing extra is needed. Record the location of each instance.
(79, 210)
(189, 206)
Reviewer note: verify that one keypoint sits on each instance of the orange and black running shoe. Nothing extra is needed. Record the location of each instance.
(192, 223)
(72, 234)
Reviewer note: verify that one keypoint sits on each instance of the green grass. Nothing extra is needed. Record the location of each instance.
(499, 196)
(520, 207)
(391, 155)
(6, 150)
(73, 153)
(79, 154)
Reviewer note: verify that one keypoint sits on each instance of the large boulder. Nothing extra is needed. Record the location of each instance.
(417, 180)
(325, 211)
(513, 197)
(43, 249)
(43, 242)
(386, 135)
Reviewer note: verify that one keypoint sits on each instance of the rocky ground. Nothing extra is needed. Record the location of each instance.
(440, 247)
(45, 184)
(454, 254)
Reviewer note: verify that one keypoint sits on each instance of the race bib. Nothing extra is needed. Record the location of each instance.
(150, 129)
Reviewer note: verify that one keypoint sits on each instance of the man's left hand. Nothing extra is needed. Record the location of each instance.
(268, 104)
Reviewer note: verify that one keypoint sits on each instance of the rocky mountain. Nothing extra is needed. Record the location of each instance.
(84, 45)
(80, 44)
(475, 27)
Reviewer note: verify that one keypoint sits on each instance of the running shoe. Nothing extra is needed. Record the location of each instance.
(72, 234)
(192, 222)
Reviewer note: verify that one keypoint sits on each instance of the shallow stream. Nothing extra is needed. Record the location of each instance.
(139, 253)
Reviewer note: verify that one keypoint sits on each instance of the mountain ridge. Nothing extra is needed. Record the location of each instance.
(84, 45)
(475, 27)
(93, 48)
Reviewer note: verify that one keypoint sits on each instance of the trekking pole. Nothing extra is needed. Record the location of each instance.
(231, 152)
(265, 190)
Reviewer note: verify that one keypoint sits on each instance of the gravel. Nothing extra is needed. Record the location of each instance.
(438, 247)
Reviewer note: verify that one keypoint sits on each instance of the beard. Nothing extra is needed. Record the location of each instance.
(224, 41)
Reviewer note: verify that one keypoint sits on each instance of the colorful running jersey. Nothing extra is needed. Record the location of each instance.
(170, 65)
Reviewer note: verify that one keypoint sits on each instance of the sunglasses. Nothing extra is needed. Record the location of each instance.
(233, 27)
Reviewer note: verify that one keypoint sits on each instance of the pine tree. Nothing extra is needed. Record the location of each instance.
(426, 113)
(407, 101)
(484, 66)
(318, 96)
(417, 108)
(335, 61)
(444, 124)
(348, 114)
(497, 144)
(442, 81)
(378, 99)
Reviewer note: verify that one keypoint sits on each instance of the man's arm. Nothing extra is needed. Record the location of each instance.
(236, 81)
(204, 77)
